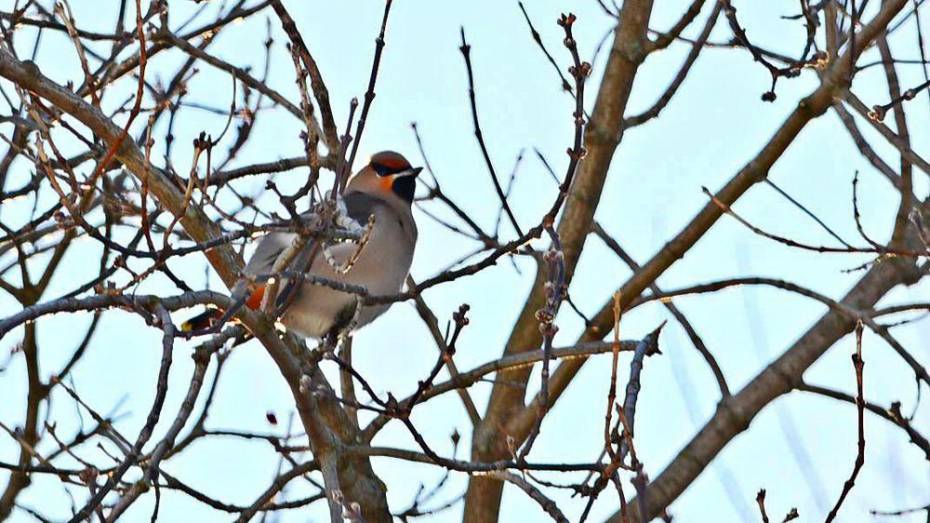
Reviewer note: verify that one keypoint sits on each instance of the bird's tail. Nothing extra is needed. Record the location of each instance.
(206, 318)
(202, 320)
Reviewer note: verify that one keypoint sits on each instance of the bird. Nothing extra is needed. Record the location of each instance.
(383, 190)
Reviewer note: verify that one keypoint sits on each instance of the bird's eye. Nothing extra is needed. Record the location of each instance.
(382, 170)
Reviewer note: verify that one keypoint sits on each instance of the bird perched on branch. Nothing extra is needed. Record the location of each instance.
(381, 191)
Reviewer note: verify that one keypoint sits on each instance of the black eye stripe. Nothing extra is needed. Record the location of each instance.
(384, 170)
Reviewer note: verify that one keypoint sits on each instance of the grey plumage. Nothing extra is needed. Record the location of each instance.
(381, 268)
(383, 190)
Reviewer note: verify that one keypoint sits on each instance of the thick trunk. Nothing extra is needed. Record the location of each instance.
(602, 135)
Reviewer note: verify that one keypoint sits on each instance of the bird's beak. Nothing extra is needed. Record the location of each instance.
(413, 171)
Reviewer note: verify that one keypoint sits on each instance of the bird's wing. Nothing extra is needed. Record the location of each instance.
(269, 248)
(273, 245)
(300, 264)
(262, 261)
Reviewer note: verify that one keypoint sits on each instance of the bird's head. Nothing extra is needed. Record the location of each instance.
(388, 176)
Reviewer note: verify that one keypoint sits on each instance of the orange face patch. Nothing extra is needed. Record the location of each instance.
(385, 182)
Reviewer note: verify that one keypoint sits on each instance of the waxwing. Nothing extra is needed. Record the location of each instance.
(384, 190)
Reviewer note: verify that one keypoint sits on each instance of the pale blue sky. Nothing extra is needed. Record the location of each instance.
(713, 126)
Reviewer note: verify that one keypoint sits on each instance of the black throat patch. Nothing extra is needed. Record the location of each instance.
(405, 187)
